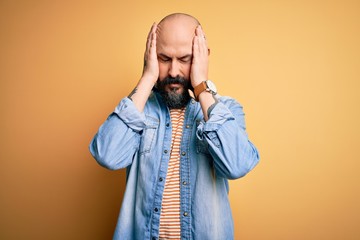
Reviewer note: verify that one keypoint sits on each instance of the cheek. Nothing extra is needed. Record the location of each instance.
(185, 70)
(163, 71)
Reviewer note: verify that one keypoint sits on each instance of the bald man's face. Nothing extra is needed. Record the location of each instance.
(174, 51)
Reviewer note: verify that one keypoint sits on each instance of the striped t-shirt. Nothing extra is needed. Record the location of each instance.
(170, 209)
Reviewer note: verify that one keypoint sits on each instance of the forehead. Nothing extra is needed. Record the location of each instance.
(174, 38)
(174, 47)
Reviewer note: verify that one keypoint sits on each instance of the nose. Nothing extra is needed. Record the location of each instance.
(174, 69)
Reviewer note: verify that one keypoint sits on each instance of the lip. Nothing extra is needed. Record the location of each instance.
(175, 85)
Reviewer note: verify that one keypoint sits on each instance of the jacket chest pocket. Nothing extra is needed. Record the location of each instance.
(148, 135)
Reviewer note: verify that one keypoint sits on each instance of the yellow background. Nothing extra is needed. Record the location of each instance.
(294, 65)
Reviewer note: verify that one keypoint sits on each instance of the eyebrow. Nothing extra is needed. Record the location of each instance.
(186, 56)
(163, 55)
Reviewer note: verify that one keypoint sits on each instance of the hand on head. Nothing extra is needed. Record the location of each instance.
(180, 42)
(151, 66)
(176, 49)
(200, 60)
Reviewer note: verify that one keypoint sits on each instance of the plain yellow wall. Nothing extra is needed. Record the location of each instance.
(294, 65)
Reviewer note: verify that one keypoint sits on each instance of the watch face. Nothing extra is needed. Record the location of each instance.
(211, 86)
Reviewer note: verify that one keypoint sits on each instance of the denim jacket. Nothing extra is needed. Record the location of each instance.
(211, 153)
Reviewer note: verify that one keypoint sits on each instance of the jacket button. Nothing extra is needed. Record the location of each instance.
(161, 179)
(156, 209)
(165, 151)
(187, 126)
(184, 182)
(185, 214)
(183, 153)
(168, 124)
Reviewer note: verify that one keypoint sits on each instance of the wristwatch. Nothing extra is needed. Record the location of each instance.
(207, 85)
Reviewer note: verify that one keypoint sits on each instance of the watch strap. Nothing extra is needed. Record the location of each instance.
(199, 89)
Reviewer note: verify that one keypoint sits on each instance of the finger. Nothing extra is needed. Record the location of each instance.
(150, 36)
(153, 38)
(199, 55)
(154, 33)
(202, 39)
(154, 27)
(152, 50)
(200, 32)
(195, 47)
(147, 53)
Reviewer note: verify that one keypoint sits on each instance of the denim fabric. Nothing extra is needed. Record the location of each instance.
(211, 153)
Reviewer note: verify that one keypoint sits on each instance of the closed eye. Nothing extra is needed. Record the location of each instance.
(163, 58)
(186, 59)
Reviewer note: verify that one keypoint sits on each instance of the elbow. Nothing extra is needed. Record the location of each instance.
(102, 157)
(243, 165)
(248, 162)
(231, 172)
(237, 172)
(232, 175)
(103, 161)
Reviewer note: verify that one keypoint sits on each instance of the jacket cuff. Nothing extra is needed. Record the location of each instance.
(218, 116)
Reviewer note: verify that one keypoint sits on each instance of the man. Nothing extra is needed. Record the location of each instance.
(179, 151)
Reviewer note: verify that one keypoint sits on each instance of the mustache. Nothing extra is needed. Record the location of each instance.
(174, 80)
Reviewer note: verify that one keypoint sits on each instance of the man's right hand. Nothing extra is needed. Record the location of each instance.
(150, 73)
(151, 66)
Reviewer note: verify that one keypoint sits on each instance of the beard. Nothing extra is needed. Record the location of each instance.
(172, 98)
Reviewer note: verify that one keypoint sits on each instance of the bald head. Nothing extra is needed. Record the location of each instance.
(179, 16)
(176, 31)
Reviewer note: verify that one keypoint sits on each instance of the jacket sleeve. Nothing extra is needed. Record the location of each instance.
(232, 152)
(118, 138)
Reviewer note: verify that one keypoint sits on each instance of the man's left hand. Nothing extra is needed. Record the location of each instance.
(200, 61)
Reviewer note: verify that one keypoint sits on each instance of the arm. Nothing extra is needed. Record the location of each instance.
(233, 154)
(199, 70)
(150, 75)
(224, 126)
(118, 139)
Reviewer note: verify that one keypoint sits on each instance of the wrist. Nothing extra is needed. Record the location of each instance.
(148, 80)
(203, 87)
(198, 81)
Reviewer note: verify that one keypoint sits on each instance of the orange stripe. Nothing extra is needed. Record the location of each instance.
(170, 211)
